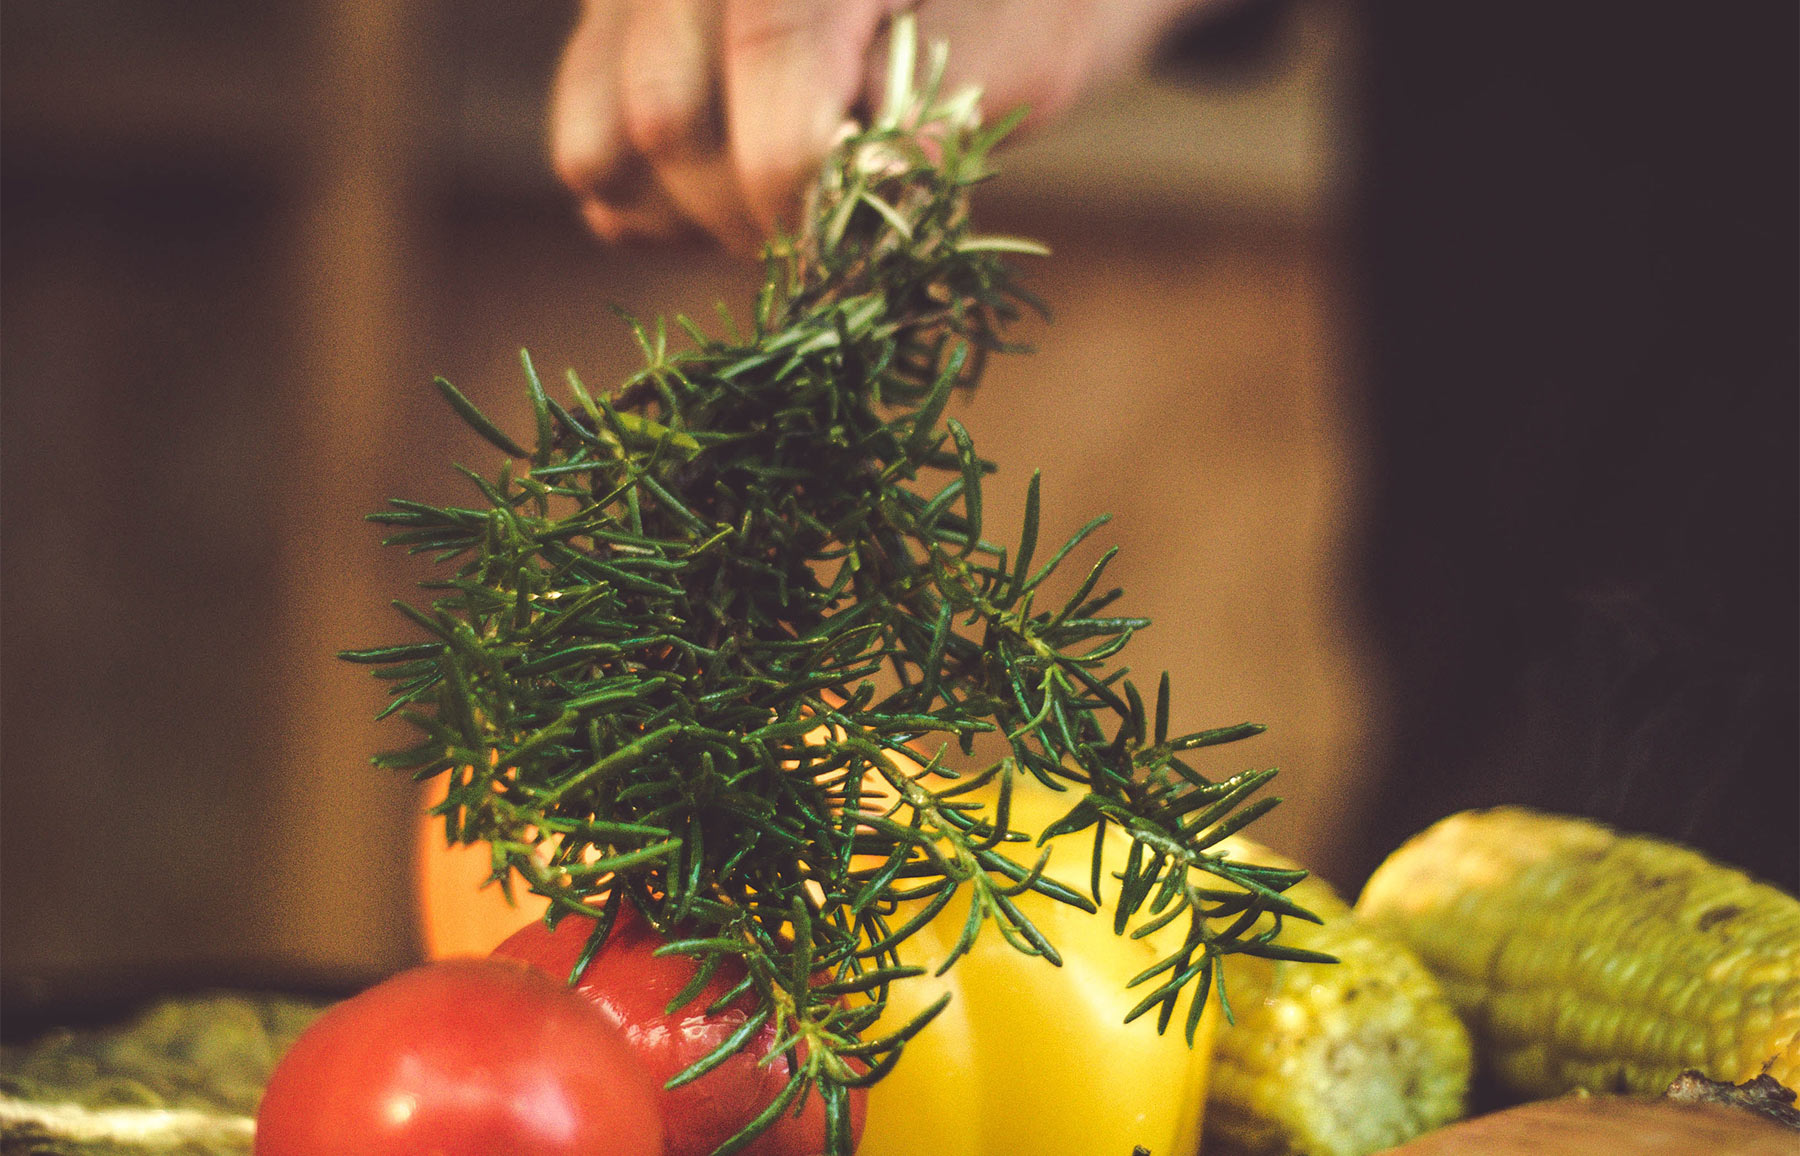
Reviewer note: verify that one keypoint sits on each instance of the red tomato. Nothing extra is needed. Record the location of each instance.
(633, 987)
(468, 1057)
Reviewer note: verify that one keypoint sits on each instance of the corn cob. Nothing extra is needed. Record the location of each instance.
(1332, 1059)
(1582, 958)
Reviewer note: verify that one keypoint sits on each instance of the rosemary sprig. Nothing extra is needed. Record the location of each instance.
(694, 634)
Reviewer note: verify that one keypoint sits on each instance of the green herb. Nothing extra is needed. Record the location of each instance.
(687, 626)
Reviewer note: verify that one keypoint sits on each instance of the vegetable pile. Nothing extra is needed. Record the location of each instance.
(684, 647)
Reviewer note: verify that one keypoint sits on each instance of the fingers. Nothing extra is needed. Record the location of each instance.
(1045, 54)
(793, 70)
(589, 145)
(672, 114)
(675, 116)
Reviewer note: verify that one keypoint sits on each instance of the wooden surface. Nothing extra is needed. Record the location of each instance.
(1605, 1125)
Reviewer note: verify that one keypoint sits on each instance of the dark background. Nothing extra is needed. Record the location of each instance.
(1577, 237)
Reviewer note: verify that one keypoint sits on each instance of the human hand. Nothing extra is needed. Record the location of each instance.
(672, 115)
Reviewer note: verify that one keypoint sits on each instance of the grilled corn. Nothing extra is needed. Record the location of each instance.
(1332, 1059)
(1582, 958)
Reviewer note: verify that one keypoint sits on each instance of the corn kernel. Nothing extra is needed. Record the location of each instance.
(1585, 958)
(1333, 1059)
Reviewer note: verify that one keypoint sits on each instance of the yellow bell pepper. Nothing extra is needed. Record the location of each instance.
(1030, 1058)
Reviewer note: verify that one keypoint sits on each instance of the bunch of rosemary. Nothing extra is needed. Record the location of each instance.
(685, 643)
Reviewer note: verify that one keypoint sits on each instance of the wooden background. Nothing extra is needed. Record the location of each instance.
(239, 240)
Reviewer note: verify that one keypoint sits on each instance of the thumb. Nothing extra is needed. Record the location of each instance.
(793, 70)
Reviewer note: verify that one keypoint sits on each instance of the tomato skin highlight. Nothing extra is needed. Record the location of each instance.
(466, 1057)
(633, 987)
